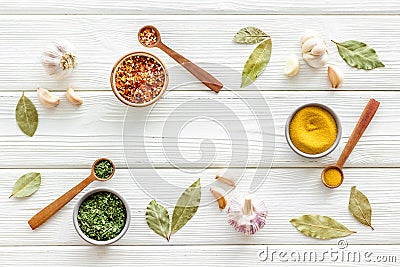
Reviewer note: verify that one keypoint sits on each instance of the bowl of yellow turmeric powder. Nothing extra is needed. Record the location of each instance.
(313, 130)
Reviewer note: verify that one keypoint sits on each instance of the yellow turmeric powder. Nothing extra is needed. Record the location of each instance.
(332, 177)
(313, 130)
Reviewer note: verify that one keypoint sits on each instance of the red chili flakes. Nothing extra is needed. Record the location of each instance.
(139, 79)
(148, 37)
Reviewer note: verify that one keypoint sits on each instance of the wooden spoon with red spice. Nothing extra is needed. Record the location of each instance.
(149, 36)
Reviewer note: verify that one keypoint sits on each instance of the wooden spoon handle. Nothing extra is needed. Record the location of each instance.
(206, 78)
(43, 215)
(366, 117)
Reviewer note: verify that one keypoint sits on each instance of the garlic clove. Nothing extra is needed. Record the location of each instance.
(335, 75)
(316, 61)
(310, 43)
(219, 197)
(292, 65)
(319, 49)
(73, 97)
(225, 180)
(247, 214)
(307, 35)
(47, 98)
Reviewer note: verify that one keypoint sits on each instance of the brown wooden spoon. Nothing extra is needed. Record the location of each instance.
(206, 78)
(51, 209)
(366, 117)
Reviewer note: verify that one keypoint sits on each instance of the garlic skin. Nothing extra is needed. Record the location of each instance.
(247, 214)
(58, 59)
(46, 98)
(292, 66)
(73, 97)
(335, 75)
(314, 49)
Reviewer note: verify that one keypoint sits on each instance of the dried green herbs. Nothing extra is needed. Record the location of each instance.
(259, 58)
(27, 184)
(157, 216)
(256, 63)
(250, 35)
(359, 55)
(359, 207)
(321, 227)
(102, 216)
(26, 116)
(103, 169)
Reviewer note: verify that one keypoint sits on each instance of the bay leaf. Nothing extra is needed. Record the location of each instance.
(359, 55)
(186, 206)
(157, 218)
(256, 63)
(26, 116)
(360, 208)
(27, 184)
(250, 35)
(321, 227)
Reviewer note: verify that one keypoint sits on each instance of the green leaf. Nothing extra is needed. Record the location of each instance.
(186, 206)
(256, 63)
(250, 35)
(26, 116)
(321, 227)
(157, 219)
(359, 55)
(27, 184)
(360, 208)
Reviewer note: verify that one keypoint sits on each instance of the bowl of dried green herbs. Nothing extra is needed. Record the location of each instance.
(101, 216)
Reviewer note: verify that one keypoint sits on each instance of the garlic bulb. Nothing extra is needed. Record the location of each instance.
(315, 51)
(247, 214)
(58, 59)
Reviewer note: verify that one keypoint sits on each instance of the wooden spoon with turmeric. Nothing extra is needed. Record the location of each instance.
(332, 176)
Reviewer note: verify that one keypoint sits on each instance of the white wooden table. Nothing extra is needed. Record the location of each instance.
(70, 138)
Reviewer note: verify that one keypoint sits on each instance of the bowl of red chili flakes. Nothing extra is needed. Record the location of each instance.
(139, 79)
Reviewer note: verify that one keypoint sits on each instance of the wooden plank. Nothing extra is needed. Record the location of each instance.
(73, 137)
(310, 255)
(288, 193)
(101, 40)
(160, 7)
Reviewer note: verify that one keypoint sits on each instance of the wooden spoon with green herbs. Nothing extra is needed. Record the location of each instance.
(102, 170)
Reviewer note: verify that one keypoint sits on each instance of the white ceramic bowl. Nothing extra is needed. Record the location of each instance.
(326, 152)
(88, 239)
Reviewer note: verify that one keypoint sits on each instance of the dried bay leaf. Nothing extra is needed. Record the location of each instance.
(257, 62)
(26, 116)
(27, 184)
(359, 55)
(321, 227)
(186, 206)
(157, 218)
(360, 208)
(250, 35)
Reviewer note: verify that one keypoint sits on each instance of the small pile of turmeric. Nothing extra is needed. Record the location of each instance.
(313, 130)
(332, 177)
